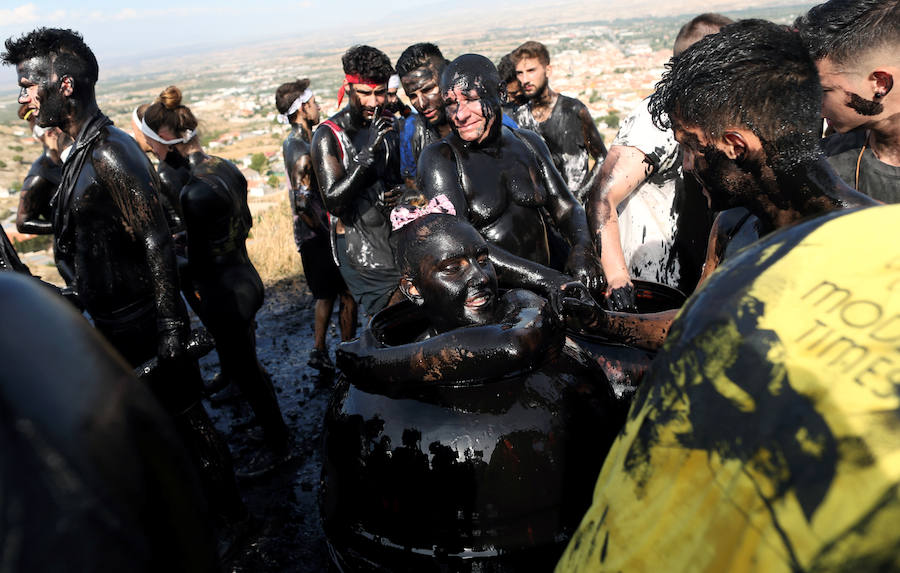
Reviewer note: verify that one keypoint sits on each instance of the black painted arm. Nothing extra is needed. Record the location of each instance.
(525, 334)
(128, 176)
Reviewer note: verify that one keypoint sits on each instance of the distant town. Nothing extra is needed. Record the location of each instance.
(610, 66)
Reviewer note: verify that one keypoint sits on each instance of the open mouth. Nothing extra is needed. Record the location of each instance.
(479, 300)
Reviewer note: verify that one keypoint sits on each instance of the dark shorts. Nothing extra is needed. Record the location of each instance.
(322, 275)
(372, 288)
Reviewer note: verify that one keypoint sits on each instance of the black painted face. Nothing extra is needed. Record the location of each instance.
(364, 98)
(424, 93)
(470, 87)
(40, 93)
(455, 281)
(725, 183)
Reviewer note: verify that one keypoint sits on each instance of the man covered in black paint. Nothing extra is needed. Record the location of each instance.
(420, 67)
(112, 243)
(757, 149)
(357, 164)
(752, 148)
(563, 122)
(500, 180)
(297, 106)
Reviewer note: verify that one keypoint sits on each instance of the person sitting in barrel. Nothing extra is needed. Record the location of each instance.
(447, 273)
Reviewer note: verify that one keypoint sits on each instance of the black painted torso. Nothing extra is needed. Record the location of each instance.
(564, 133)
(503, 189)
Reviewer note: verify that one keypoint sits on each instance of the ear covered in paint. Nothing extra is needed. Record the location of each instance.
(410, 291)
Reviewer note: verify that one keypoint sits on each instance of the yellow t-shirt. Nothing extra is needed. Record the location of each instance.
(766, 436)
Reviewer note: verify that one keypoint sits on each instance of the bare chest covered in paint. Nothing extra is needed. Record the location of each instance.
(496, 183)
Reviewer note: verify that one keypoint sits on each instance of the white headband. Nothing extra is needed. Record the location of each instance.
(145, 129)
(394, 82)
(134, 116)
(301, 99)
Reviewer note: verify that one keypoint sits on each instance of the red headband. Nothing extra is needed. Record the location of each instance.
(351, 79)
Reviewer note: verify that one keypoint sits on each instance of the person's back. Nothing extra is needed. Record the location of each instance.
(759, 432)
(306, 197)
(218, 219)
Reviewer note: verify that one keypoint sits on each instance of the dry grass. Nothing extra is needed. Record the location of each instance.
(271, 243)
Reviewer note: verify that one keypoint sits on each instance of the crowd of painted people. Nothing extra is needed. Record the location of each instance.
(490, 199)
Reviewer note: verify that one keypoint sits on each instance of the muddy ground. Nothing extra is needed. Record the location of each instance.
(288, 534)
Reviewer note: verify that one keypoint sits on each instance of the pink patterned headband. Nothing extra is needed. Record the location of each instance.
(402, 216)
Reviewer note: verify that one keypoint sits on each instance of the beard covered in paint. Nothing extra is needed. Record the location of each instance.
(470, 87)
(451, 273)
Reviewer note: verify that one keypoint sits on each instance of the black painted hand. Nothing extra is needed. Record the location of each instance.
(582, 265)
(621, 299)
(390, 197)
(378, 129)
(580, 310)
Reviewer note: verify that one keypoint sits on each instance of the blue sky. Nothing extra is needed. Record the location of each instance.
(126, 27)
(120, 29)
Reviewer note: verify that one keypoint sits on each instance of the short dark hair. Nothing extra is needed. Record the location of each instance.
(754, 74)
(532, 49)
(68, 53)
(424, 54)
(845, 30)
(507, 69)
(368, 63)
(287, 93)
(699, 26)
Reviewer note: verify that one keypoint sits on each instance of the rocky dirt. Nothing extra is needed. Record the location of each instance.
(288, 534)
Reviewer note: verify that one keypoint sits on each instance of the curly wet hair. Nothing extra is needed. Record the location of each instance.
(846, 30)
(420, 55)
(753, 74)
(287, 93)
(68, 53)
(368, 63)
